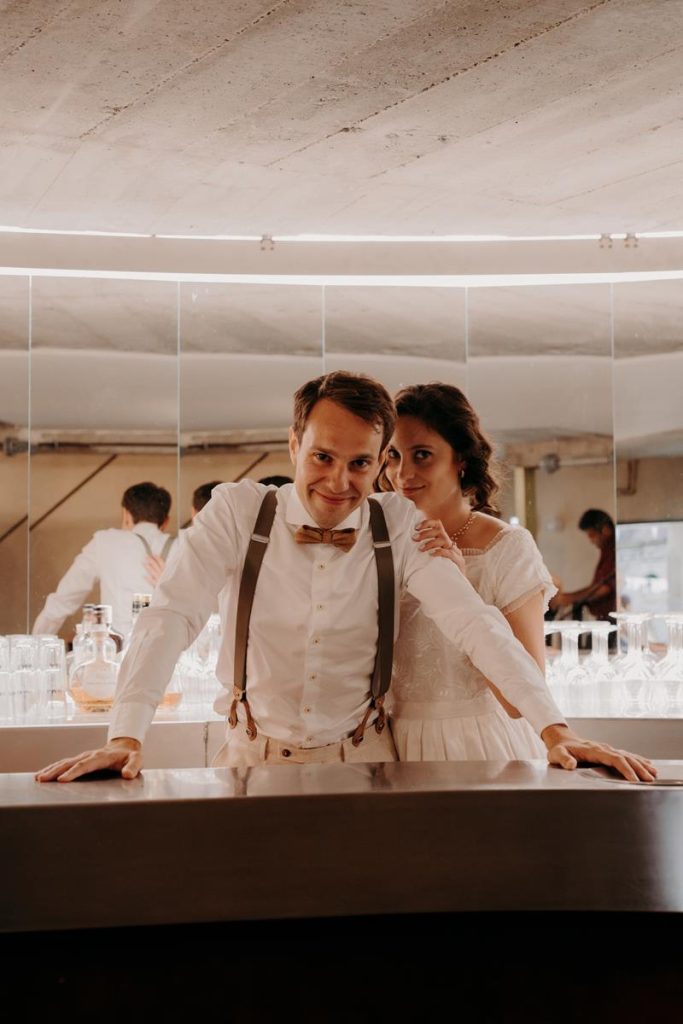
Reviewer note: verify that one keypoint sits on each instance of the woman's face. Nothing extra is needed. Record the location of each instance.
(421, 465)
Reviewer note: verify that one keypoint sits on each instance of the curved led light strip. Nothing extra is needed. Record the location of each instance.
(321, 238)
(358, 280)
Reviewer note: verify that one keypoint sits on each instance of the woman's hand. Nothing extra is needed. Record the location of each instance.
(431, 536)
(154, 566)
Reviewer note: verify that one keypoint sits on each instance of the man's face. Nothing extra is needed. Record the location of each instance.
(335, 463)
(599, 537)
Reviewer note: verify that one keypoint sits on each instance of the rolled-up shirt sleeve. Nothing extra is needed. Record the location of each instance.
(482, 633)
(73, 588)
(185, 597)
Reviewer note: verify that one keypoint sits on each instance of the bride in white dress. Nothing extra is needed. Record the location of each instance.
(443, 707)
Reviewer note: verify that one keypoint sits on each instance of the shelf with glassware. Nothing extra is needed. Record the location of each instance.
(639, 680)
(40, 684)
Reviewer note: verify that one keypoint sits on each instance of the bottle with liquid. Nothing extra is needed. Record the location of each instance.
(93, 680)
(103, 612)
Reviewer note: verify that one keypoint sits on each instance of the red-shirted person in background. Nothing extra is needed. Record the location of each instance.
(600, 596)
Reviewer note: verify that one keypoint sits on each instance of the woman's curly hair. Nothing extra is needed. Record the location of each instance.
(445, 409)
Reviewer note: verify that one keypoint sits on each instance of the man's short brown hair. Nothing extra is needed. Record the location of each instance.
(147, 503)
(361, 395)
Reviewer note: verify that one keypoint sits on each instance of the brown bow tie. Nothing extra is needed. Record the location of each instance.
(344, 539)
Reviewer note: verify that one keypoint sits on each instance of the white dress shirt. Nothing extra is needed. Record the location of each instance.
(313, 634)
(117, 559)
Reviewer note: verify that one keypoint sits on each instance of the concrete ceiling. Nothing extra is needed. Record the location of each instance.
(289, 116)
(273, 116)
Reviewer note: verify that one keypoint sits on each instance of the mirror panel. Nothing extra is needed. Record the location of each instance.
(540, 376)
(104, 413)
(398, 335)
(648, 375)
(244, 350)
(14, 457)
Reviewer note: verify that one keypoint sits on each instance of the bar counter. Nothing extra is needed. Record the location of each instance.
(280, 842)
(190, 738)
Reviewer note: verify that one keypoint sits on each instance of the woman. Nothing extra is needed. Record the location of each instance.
(444, 709)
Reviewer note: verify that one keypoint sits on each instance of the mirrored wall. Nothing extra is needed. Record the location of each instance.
(648, 433)
(14, 460)
(184, 384)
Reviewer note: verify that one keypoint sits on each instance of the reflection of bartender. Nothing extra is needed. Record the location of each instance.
(599, 597)
(116, 558)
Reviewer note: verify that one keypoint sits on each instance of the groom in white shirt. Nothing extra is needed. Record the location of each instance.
(313, 626)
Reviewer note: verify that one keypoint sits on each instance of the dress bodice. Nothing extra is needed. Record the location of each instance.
(427, 667)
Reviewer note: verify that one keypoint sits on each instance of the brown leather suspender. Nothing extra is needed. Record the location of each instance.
(381, 675)
(250, 573)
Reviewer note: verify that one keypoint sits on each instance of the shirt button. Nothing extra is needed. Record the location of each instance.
(316, 640)
(309, 739)
(319, 607)
(321, 565)
(313, 675)
(286, 753)
(307, 710)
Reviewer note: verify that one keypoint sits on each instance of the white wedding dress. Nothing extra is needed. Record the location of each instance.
(442, 708)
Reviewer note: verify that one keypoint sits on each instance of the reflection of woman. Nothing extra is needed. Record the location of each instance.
(444, 709)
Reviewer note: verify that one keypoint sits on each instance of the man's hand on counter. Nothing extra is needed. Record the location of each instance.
(122, 754)
(567, 750)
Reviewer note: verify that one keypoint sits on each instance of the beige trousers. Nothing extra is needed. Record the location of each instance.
(239, 751)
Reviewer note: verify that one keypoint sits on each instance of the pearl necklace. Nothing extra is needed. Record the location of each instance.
(466, 525)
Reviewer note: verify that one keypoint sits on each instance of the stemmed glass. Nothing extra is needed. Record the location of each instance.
(566, 676)
(598, 664)
(669, 670)
(634, 668)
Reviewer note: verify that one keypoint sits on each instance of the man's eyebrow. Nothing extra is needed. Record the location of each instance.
(354, 458)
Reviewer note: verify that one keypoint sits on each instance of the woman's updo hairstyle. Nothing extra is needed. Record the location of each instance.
(445, 409)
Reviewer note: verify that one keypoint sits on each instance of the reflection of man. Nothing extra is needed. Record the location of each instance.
(155, 564)
(313, 629)
(600, 594)
(116, 558)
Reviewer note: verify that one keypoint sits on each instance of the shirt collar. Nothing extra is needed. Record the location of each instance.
(146, 529)
(297, 515)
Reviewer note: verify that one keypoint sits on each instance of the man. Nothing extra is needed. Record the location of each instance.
(155, 564)
(313, 629)
(116, 558)
(600, 594)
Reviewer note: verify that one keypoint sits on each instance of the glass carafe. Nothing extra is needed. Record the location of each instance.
(93, 681)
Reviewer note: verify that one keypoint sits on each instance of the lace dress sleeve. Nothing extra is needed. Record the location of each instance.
(519, 573)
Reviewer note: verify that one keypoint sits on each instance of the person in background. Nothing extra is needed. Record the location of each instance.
(201, 495)
(116, 559)
(155, 564)
(444, 708)
(600, 595)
